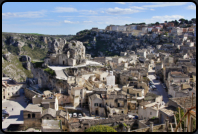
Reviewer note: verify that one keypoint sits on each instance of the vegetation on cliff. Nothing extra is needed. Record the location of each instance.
(100, 128)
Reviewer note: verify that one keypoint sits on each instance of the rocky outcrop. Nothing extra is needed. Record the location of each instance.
(7, 56)
(25, 58)
(27, 65)
(19, 44)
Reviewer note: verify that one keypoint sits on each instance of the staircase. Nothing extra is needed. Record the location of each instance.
(60, 74)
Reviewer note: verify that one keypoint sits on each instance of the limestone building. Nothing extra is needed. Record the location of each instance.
(110, 79)
(66, 53)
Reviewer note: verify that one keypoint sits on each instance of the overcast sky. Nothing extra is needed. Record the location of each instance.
(71, 17)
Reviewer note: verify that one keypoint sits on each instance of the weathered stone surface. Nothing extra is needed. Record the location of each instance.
(32, 45)
(25, 58)
(7, 56)
(19, 44)
(27, 65)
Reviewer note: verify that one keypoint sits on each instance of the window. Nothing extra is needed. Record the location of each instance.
(137, 94)
(47, 118)
(8, 94)
(95, 104)
(122, 112)
(150, 113)
(127, 91)
(140, 86)
(29, 116)
(12, 88)
(106, 103)
(33, 115)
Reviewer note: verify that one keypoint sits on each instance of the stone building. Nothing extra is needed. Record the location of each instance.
(10, 88)
(49, 114)
(110, 79)
(96, 105)
(51, 126)
(66, 53)
(32, 116)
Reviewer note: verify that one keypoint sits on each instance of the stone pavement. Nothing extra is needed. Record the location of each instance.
(158, 85)
(88, 62)
(15, 116)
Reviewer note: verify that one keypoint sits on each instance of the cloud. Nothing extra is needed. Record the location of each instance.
(152, 9)
(70, 22)
(87, 21)
(192, 7)
(29, 14)
(120, 2)
(163, 18)
(117, 11)
(45, 23)
(65, 9)
(87, 12)
(165, 4)
(136, 7)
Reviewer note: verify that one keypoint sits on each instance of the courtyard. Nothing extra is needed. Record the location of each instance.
(16, 115)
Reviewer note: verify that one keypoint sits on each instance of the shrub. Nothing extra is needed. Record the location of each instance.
(100, 128)
(153, 117)
(50, 71)
(37, 64)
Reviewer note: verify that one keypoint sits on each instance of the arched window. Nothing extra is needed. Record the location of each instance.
(29, 116)
(33, 115)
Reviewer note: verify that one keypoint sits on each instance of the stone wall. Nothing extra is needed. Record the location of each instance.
(141, 130)
(30, 93)
(32, 122)
(48, 117)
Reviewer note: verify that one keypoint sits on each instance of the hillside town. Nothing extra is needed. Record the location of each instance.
(149, 86)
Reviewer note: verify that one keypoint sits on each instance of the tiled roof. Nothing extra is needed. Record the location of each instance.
(187, 99)
(168, 110)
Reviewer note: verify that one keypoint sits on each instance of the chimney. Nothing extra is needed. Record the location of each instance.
(151, 127)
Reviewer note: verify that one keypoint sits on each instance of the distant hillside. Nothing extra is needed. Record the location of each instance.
(30, 44)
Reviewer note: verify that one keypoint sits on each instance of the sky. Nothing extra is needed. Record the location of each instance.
(64, 18)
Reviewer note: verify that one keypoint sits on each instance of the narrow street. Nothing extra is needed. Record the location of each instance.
(158, 85)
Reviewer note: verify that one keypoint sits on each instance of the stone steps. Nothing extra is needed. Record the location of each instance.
(60, 74)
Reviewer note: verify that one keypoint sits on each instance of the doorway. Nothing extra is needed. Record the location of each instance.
(63, 62)
(96, 112)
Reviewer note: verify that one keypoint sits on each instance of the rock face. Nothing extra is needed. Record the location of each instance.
(27, 65)
(7, 56)
(25, 58)
(62, 52)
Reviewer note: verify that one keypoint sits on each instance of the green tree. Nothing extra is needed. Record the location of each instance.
(186, 21)
(181, 20)
(176, 23)
(182, 114)
(100, 128)
(193, 20)
(157, 23)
